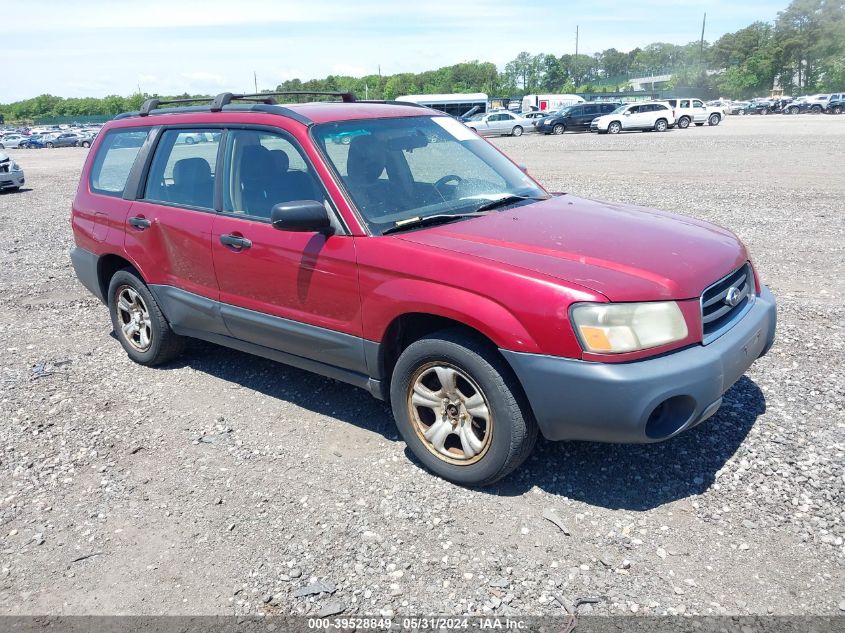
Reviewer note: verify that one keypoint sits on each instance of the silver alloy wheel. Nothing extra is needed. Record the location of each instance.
(134, 318)
(517, 131)
(450, 413)
(661, 125)
(558, 129)
(614, 128)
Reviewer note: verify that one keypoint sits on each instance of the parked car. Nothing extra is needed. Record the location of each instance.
(575, 117)
(654, 115)
(797, 107)
(65, 139)
(443, 279)
(499, 122)
(737, 106)
(835, 106)
(758, 107)
(11, 174)
(819, 103)
(688, 111)
(535, 116)
(11, 141)
(32, 142)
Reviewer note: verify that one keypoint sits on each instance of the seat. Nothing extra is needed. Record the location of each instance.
(258, 181)
(365, 163)
(193, 184)
(294, 184)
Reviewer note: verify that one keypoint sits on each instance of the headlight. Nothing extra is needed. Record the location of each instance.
(613, 328)
(15, 166)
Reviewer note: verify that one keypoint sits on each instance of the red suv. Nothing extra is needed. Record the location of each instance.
(388, 246)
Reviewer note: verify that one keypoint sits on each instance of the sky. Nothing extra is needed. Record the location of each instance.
(76, 48)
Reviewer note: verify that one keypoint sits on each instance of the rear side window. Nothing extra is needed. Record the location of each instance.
(182, 171)
(114, 160)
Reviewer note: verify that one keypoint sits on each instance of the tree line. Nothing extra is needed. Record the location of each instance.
(802, 51)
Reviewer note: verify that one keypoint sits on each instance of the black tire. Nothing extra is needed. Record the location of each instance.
(837, 110)
(165, 345)
(50, 146)
(816, 109)
(714, 119)
(513, 431)
(661, 125)
(683, 122)
(86, 144)
(558, 129)
(764, 112)
(742, 113)
(517, 130)
(189, 140)
(795, 110)
(614, 127)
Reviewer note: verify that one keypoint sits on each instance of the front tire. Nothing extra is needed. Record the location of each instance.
(139, 323)
(558, 129)
(794, 110)
(837, 110)
(189, 140)
(50, 146)
(460, 409)
(86, 144)
(614, 128)
(816, 109)
(516, 131)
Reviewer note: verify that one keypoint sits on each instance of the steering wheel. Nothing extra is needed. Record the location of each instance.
(445, 179)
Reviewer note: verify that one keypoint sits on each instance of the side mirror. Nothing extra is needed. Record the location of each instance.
(627, 113)
(305, 216)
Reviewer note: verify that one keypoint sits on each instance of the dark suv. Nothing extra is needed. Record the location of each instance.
(575, 117)
(391, 247)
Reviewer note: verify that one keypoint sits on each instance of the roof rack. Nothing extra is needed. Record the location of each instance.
(225, 98)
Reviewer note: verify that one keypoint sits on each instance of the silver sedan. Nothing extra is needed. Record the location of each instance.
(500, 122)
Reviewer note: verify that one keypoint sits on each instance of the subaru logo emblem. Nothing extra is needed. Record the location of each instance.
(733, 297)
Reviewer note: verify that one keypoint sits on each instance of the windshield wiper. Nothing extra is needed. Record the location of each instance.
(428, 220)
(508, 199)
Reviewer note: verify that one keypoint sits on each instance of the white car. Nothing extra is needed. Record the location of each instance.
(499, 122)
(649, 115)
(689, 111)
(11, 140)
(11, 174)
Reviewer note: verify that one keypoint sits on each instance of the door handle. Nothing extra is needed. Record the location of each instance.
(235, 241)
(140, 223)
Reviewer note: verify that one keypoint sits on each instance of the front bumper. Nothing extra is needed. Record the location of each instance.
(642, 401)
(11, 179)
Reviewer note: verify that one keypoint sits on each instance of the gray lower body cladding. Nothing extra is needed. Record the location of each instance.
(619, 402)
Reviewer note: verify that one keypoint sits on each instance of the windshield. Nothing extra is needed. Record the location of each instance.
(405, 168)
(563, 111)
(620, 109)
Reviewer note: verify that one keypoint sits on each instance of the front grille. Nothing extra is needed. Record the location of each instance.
(717, 313)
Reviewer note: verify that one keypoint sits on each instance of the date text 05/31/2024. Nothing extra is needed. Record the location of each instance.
(421, 623)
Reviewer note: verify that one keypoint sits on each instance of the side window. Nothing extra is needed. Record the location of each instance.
(182, 171)
(697, 104)
(114, 160)
(635, 109)
(591, 110)
(575, 111)
(685, 103)
(262, 169)
(607, 108)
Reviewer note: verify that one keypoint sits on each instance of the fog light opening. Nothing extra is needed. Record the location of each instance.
(669, 416)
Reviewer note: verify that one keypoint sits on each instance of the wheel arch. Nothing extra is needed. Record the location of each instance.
(107, 265)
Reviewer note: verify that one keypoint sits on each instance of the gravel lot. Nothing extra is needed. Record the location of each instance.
(230, 484)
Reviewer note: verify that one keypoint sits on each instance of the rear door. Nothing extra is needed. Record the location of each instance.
(588, 113)
(296, 292)
(168, 230)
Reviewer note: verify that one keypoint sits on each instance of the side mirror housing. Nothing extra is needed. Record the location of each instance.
(304, 216)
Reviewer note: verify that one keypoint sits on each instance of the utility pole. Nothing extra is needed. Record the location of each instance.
(701, 45)
(255, 81)
(575, 63)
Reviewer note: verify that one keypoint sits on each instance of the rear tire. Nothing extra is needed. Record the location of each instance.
(86, 144)
(837, 110)
(816, 109)
(139, 323)
(189, 140)
(794, 110)
(485, 393)
(50, 146)
(516, 131)
(714, 120)
(661, 125)
(683, 122)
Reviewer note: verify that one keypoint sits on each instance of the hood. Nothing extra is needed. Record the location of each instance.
(624, 252)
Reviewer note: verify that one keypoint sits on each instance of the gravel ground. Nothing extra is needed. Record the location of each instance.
(230, 484)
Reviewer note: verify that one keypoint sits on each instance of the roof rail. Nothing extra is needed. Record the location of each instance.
(153, 104)
(225, 98)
